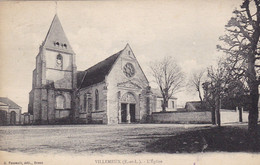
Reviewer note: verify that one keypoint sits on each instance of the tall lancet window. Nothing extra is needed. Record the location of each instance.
(85, 102)
(96, 100)
(59, 61)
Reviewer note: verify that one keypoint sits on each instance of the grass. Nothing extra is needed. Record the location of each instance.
(211, 139)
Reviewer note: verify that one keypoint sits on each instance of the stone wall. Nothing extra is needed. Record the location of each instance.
(26, 119)
(181, 117)
(89, 106)
(232, 116)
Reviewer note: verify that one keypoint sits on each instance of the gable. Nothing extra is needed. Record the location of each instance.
(129, 84)
(128, 56)
(127, 68)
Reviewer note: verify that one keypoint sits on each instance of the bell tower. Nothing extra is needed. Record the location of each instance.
(54, 79)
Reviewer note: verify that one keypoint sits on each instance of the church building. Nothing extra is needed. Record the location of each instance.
(113, 91)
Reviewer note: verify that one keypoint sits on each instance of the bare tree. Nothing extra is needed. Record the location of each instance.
(241, 44)
(196, 82)
(169, 78)
(219, 78)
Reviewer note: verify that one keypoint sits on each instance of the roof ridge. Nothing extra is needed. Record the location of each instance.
(98, 72)
(9, 102)
(47, 35)
(105, 59)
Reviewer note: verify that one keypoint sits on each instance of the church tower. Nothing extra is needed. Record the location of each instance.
(51, 99)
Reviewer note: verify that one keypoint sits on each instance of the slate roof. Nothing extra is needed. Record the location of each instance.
(57, 34)
(96, 73)
(9, 102)
(193, 105)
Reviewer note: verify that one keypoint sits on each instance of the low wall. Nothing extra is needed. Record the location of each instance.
(97, 117)
(232, 116)
(182, 117)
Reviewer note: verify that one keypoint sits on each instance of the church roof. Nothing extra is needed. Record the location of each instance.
(56, 38)
(96, 73)
(9, 102)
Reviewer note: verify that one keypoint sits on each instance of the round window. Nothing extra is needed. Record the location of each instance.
(129, 70)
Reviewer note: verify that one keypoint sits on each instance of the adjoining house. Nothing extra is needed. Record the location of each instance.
(10, 112)
(193, 106)
(172, 102)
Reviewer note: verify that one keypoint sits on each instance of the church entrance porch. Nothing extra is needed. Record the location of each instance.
(127, 113)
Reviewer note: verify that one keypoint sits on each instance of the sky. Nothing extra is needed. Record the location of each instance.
(184, 29)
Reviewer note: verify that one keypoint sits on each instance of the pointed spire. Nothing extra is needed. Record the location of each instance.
(56, 38)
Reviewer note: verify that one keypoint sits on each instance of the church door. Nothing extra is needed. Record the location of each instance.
(13, 118)
(132, 113)
(123, 112)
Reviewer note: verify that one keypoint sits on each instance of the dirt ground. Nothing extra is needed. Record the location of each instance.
(123, 139)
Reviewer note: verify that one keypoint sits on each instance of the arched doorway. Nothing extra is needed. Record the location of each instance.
(128, 108)
(13, 118)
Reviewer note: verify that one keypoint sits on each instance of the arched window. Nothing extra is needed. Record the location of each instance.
(96, 100)
(60, 102)
(59, 61)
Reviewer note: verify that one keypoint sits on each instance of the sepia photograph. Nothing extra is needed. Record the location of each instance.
(146, 82)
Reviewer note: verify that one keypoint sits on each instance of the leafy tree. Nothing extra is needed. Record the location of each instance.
(169, 78)
(235, 95)
(241, 44)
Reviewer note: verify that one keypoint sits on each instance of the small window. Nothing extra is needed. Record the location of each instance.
(57, 44)
(96, 100)
(65, 45)
(172, 104)
(129, 52)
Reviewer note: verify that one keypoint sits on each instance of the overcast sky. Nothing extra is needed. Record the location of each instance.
(187, 30)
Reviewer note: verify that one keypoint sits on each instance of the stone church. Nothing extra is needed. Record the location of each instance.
(113, 91)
